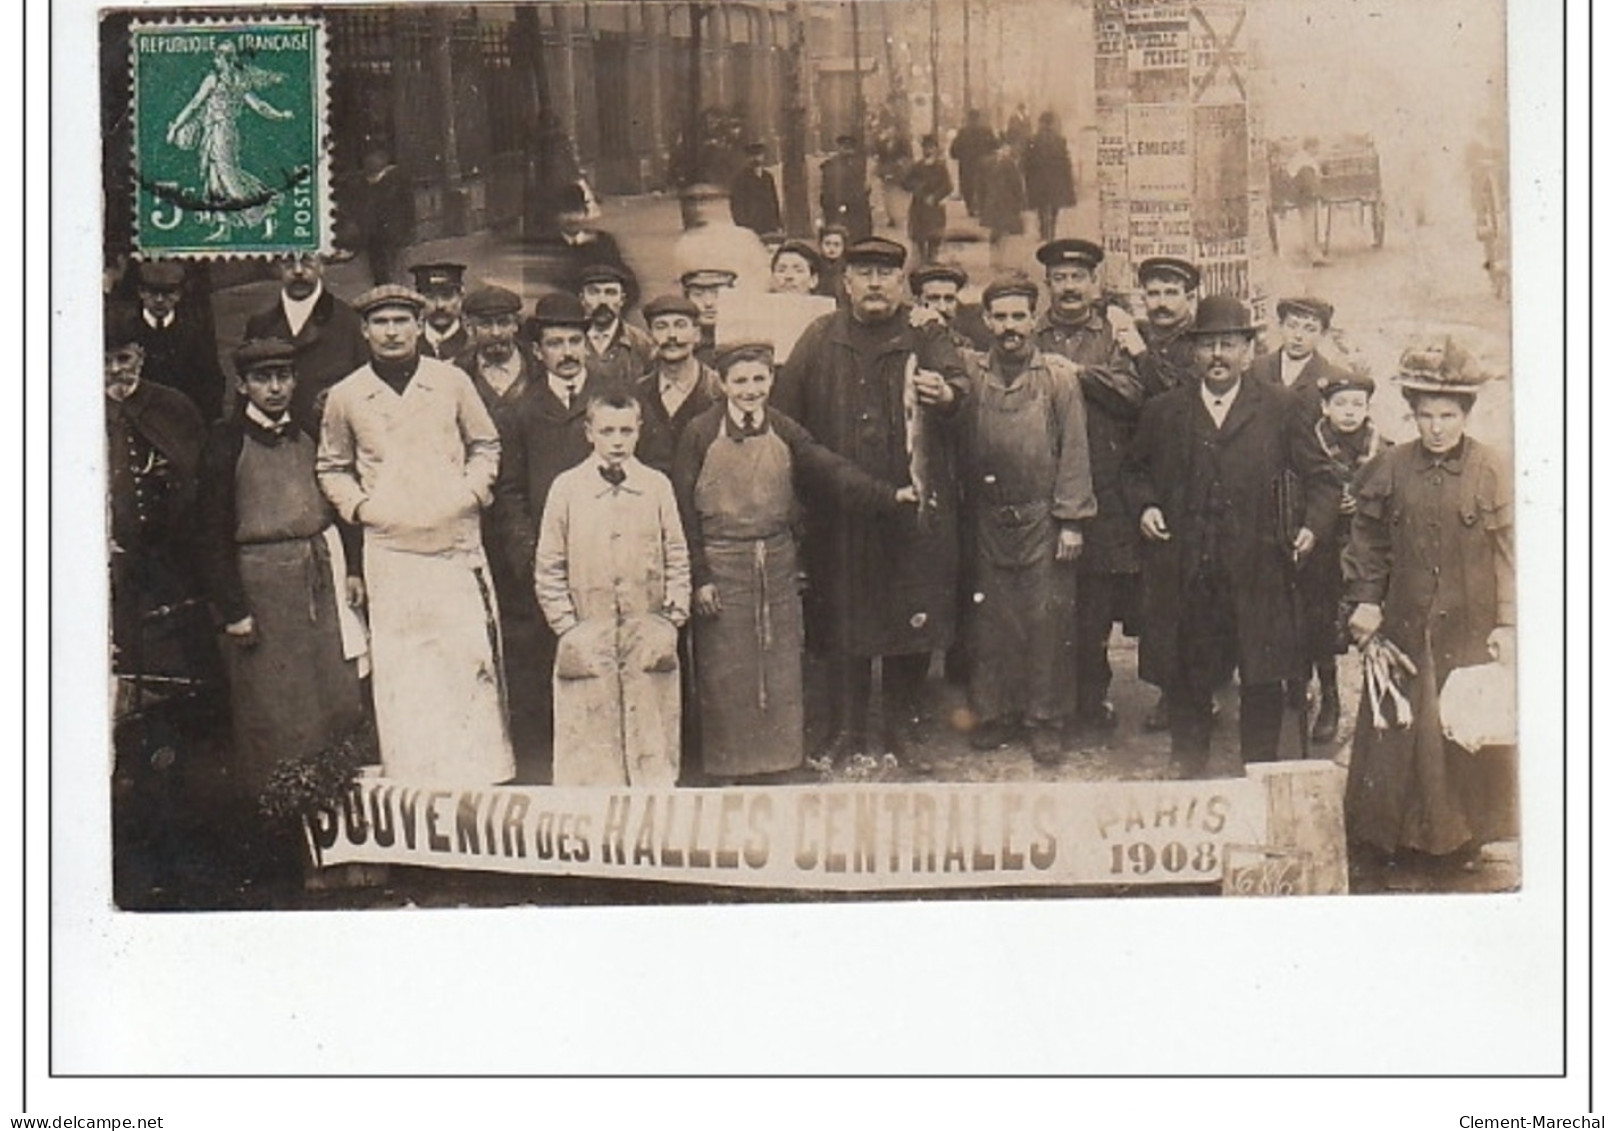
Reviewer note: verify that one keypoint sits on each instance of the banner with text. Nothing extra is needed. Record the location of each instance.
(833, 837)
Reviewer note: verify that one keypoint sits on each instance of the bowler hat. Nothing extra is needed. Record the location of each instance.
(488, 302)
(670, 304)
(1165, 266)
(932, 272)
(1223, 314)
(160, 274)
(430, 277)
(1310, 307)
(389, 294)
(1440, 366)
(1084, 253)
(878, 251)
(258, 351)
(559, 309)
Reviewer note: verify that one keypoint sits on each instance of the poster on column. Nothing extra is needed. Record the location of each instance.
(1157, 51)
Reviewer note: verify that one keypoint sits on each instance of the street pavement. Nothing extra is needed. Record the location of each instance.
(1426, 278)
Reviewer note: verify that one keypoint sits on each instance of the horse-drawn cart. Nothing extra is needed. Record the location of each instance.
(1340, 173)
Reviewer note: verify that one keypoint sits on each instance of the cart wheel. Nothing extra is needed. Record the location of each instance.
(1379, 223)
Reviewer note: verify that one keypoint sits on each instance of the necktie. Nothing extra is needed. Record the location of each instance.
(613, 474)
(749, 425)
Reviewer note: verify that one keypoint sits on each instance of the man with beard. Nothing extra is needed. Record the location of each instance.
(1076, 328)
(618, 352)
(880, 587)
(753, 196)
(1298, 366)
(442, 285)
(705, 287)
(1027, 495)
(1202, 475)
(178, 338)
(409, 453)
(543, 436)
(324, 329)
(678, 386)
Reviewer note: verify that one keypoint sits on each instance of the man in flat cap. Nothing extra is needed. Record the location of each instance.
(938, 287)
(844, 189)
(753, 196)
(283, 577)
(1297, 365)
(442, 285)
(1076, 327)
(1205, 475)
(501, 366)
(544, 435)
(677, 386)
(1028, 497)
(618, 352)
(705, 287)
(874, 386)
(177, 337)
(326, 331)
(408, 452)
(1164, 350)
(154, 440)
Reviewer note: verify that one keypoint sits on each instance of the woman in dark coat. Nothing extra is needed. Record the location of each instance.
(1050, 186)
(1003, 200)
(1430, 568)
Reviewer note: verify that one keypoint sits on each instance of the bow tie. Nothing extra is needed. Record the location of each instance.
(613, 474)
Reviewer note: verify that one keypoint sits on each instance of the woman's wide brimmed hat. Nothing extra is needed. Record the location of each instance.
(1440, 366)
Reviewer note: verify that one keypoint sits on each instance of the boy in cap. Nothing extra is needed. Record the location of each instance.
(794, 268)
(442, 285)
(177, 339)
(1297, 365)
(1349, 440)
(1201, 475)
(1029, 495)
(612, 576)
(677, 386)
(753, 196)
(618, 352)
(408, 452)
(283, 577)
(330, 342)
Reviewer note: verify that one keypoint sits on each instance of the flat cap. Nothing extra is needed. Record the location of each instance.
(438, 276)
(1439, 366)
(487, 302)
(160, 274)
(1223, 314)
(726, 354)
(801, 247)
(602, 273)
(877, 250)
(258, 351)
(1344, 380)
(559, 309)
(933, 272)
(1165, 266)
(708, 277)
(389, 294)
(1004, 288)
(1083, 253)
(670, 304)
(1311, 307)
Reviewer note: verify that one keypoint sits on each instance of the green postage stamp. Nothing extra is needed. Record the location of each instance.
(230, 153)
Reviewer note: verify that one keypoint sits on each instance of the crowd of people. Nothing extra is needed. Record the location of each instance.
(587, 541)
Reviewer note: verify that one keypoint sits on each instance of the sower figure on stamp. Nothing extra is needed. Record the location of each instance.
(325, 330)
(409, 453)
(871, 385)
(1077, 329)
(178, 338)
(612, 576)
(1203, 474)
(1430, 569)
(283, 578)
(738, 476)
(442, 285)
(1027, 495)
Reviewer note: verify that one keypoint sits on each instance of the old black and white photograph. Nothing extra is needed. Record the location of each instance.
(725, 454)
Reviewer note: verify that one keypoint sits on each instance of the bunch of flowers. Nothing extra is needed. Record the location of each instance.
(301, 785)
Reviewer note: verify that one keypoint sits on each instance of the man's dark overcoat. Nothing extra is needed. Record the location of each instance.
(879, 585)
(329, 346)
(1220, 485)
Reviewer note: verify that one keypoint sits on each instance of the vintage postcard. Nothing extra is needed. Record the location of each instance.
(578, 454)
